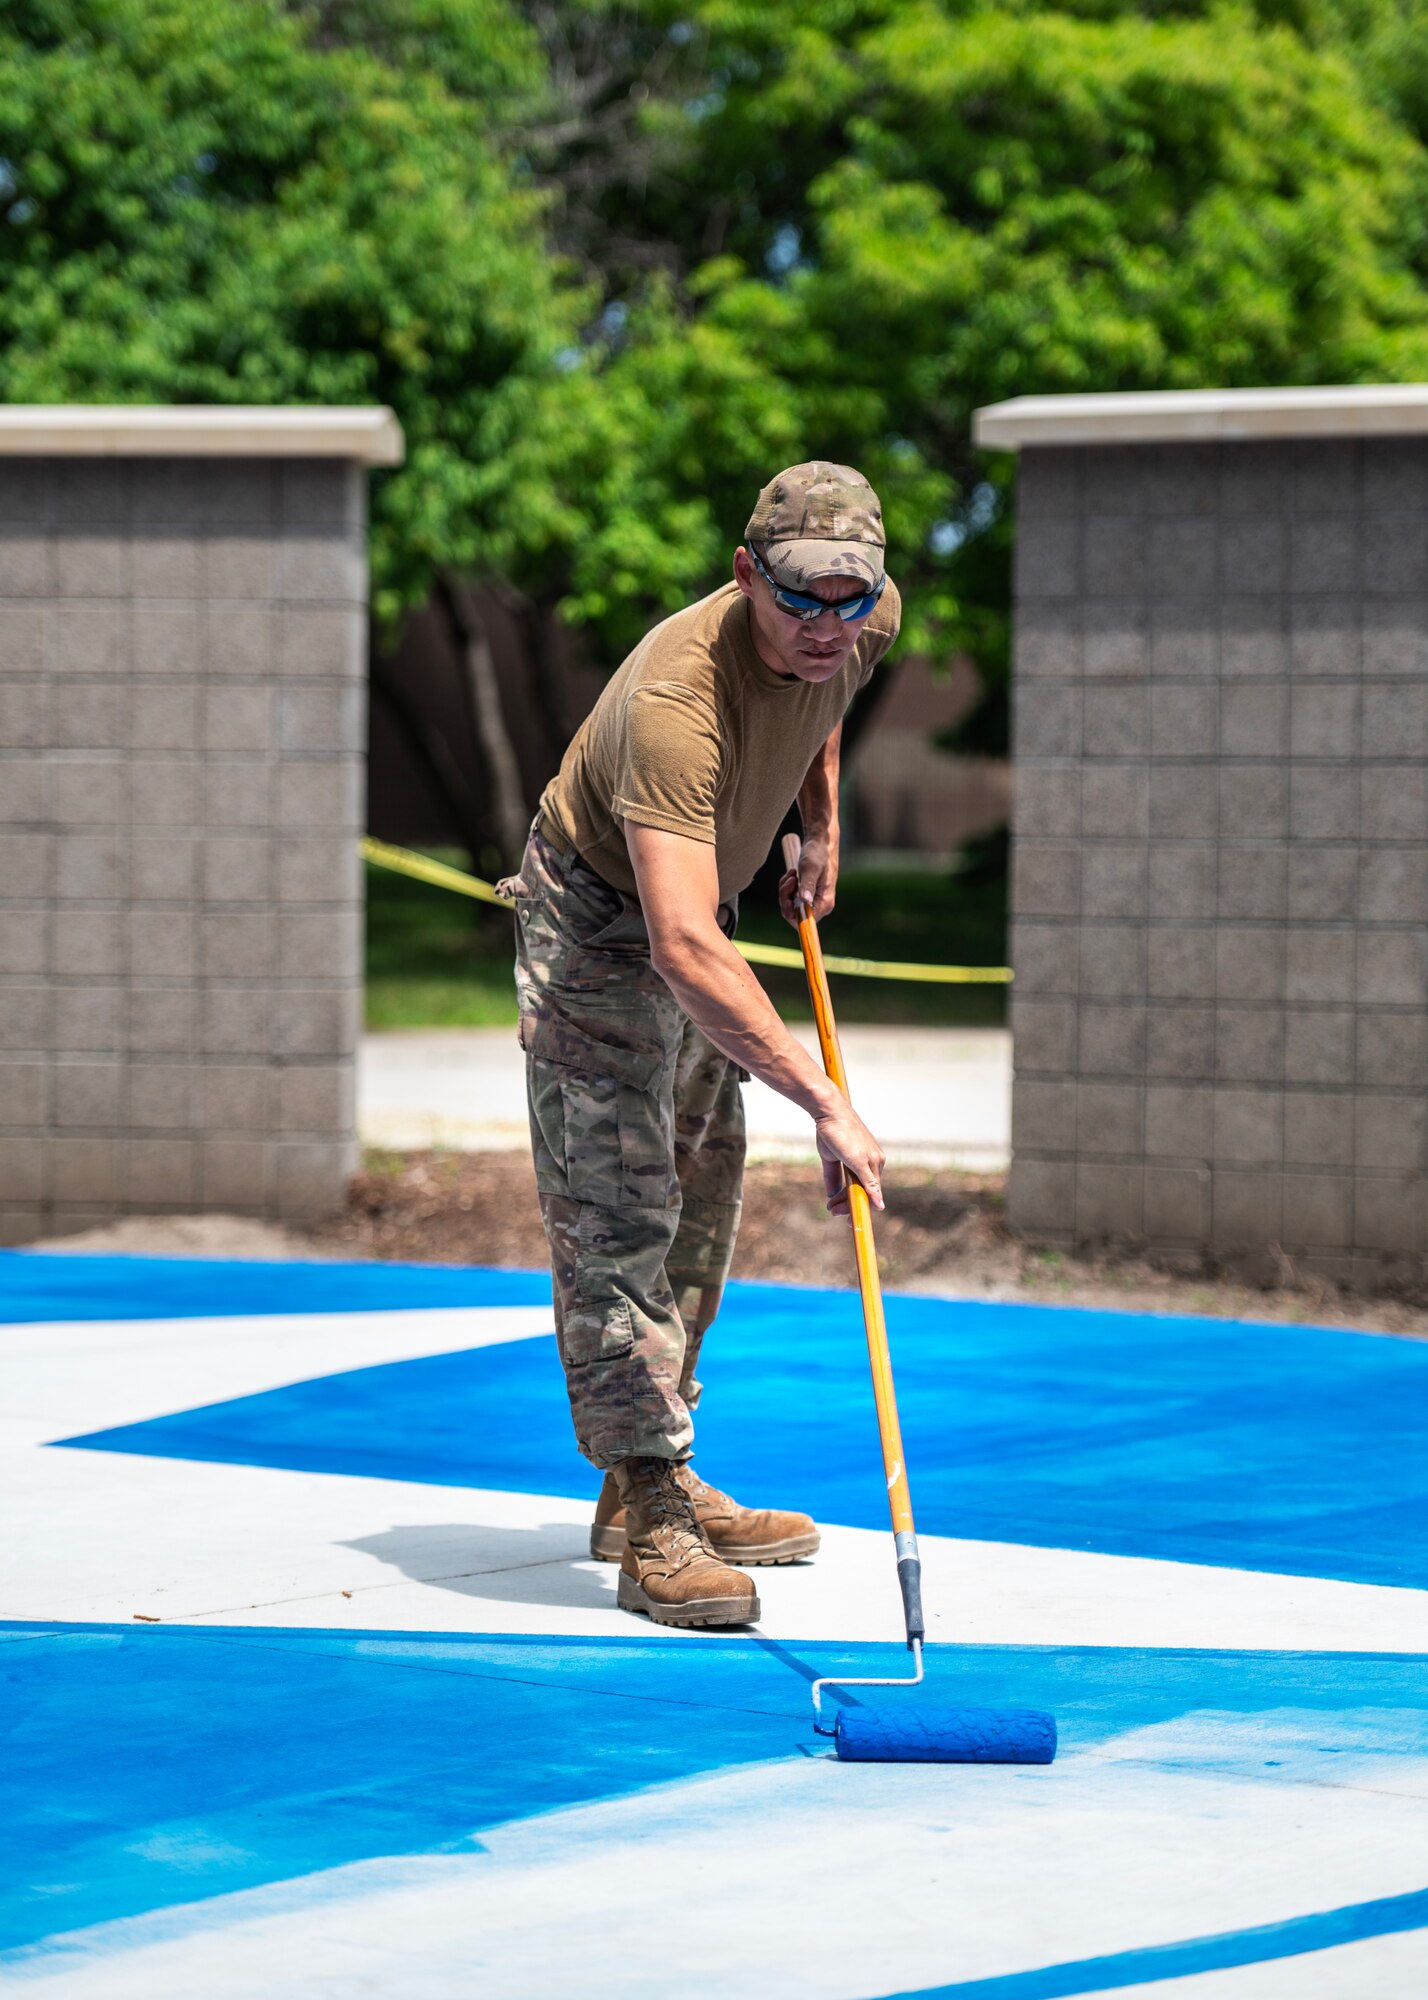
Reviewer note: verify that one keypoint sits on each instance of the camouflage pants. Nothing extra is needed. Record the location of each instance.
(637, 1126)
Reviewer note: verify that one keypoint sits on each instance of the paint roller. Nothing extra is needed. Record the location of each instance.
(901, 1735)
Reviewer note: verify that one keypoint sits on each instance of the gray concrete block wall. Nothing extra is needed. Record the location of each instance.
(1220, 876)
(182, 691)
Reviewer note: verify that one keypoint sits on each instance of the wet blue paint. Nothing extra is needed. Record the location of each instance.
(38, 1286)
(1265, 1943)
(147, 1767)
(1300, 1450)
(929, 1734)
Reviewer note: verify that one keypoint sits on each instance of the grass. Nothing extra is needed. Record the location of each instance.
(434, 959)
(437, 960)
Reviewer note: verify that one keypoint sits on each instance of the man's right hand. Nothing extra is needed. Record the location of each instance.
(845, 1143)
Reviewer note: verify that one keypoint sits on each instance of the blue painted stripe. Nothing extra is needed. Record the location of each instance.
(1266, 1942)
(36, 1286)
(1116, 1432)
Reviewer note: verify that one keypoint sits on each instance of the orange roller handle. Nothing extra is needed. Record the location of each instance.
(861, 1211)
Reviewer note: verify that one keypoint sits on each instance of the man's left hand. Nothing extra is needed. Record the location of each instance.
(815, 881)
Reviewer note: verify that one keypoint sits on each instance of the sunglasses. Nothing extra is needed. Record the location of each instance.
(806, 608)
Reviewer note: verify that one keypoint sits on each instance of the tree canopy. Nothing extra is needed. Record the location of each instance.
(233, 201)
(614, 263)
(892, 211)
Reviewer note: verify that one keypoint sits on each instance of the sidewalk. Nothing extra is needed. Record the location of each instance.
(937, 1096)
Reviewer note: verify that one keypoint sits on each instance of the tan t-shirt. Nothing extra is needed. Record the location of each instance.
(696, 735)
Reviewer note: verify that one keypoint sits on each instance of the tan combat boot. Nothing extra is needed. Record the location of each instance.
(667, 1569)
(756, 1536)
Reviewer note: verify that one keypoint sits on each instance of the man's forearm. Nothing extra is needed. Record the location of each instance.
(678, 884)
(716, 989)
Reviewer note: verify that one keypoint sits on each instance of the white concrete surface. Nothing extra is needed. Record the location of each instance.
(109, 1536)
(934, 1096)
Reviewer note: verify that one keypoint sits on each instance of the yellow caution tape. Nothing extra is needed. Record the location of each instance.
(875, 968)
(402, 861)
(421, 868)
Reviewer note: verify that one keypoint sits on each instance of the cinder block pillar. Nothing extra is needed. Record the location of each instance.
(183, 603)
(1220, 893)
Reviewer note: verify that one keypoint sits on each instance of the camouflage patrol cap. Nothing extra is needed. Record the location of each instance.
(819, 519)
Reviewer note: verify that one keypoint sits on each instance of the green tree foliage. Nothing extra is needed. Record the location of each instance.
(902, 209)
(232, 201)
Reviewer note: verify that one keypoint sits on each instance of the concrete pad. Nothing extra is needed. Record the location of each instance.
(389, 1736)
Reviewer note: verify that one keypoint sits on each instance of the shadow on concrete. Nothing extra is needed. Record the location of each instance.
(545, 1565)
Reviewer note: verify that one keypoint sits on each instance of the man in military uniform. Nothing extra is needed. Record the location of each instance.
(639, 1019)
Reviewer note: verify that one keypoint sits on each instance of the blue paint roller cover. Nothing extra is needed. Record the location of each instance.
(945, 1736)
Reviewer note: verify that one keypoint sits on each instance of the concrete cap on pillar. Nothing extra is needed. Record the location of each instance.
(366, 435)
(1380, 409)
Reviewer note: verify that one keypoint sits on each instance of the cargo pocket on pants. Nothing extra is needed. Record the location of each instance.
(615, 1145)
(598, 1334)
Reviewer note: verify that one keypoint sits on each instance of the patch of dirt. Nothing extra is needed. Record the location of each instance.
(236, 1236)
(943, 1231)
